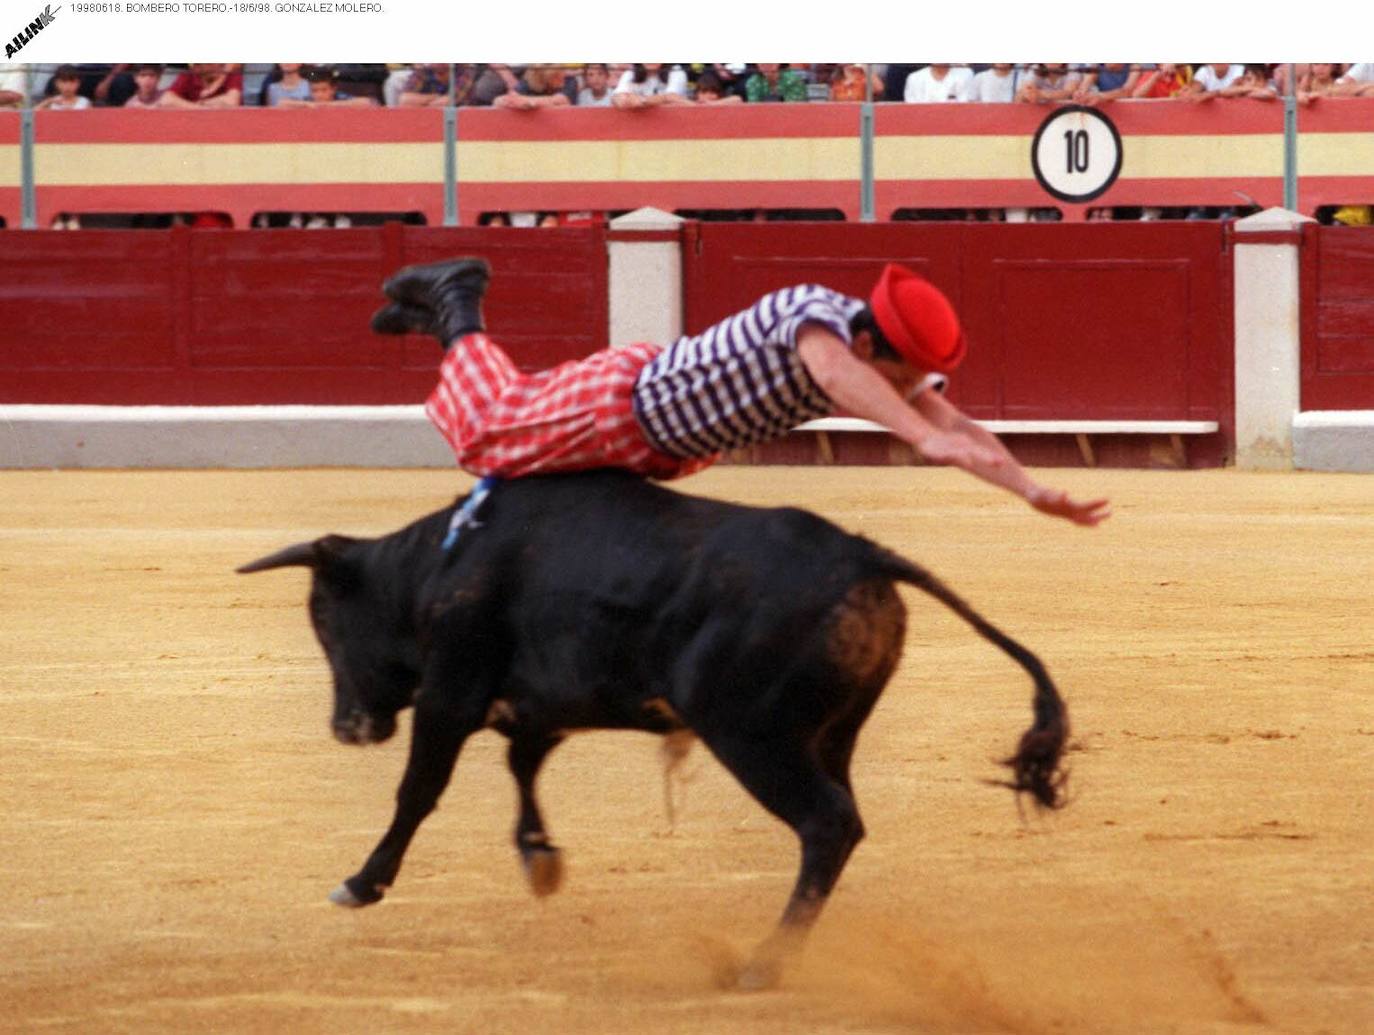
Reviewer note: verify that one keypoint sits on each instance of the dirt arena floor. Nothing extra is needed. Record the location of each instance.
(175, 810)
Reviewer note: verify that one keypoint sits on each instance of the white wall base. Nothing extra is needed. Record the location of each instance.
(219, 436)
(388, 436)
(1334, 440)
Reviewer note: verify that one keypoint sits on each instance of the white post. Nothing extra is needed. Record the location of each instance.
(1268, 338)
(645, 277)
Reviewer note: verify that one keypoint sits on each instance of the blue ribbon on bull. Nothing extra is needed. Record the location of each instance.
(466, 515)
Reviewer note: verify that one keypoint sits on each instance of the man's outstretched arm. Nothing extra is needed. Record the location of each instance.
(857, 388)
(935, 427)
(1009, 475)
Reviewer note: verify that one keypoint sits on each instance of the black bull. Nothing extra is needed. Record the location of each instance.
(599, 600)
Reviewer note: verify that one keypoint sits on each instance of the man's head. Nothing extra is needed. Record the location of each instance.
(709, 87)
(872, 346)
(67, 81)
(594, 78)
(206, 72)
(146, 79)
(909, 328)
(321, 85)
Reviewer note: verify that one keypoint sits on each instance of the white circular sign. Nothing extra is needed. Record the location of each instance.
(1076, 153)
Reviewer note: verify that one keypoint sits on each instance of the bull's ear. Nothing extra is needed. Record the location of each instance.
(319, 554)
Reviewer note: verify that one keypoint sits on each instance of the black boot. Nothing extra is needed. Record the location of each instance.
(450, 291)
(398, 318)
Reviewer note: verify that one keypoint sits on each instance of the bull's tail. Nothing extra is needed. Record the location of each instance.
(1035, 765)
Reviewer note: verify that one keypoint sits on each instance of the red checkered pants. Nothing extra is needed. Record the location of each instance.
(571, 417)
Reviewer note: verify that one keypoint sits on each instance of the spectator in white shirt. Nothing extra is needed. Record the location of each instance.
(1216, 81)
(66, 98)
(14, 86)
(649, 85)
(1358, 81)
(995, 85)
(935, 84)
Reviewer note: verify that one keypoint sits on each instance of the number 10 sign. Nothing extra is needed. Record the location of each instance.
(1076, 153)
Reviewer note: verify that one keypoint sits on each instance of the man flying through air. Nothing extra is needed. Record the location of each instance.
(668, 411)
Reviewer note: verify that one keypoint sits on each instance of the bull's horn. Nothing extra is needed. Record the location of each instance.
(300, 555)
(314, 554)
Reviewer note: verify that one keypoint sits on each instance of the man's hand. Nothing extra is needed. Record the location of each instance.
(1057, 503)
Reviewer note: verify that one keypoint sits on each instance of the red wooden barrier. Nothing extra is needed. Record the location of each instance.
(1091, 322)
(219, 317)
(1065, 322)
(1338, 318)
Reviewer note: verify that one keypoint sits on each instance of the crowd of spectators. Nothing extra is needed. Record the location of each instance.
(647, 85)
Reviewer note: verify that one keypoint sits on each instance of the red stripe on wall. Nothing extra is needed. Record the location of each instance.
(957, 119)
(1337, 115)
(1221, 117)
(893, 195)
(242, 201)
(240, 126)
(1316, 191)
(258, 125)
(728, 194)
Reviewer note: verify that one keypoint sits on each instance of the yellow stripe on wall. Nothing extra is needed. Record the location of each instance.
(776, 160)
(1255, 155)
(952, 158)
(9, 166)
(71, 165)
(1206, 157)
(1143, 157)
(1336, 154)
(682, 161)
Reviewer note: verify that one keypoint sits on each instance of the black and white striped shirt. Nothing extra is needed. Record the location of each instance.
(740, 381)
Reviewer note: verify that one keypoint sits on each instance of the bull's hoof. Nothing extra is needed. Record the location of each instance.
(543, 869)
(354, 894)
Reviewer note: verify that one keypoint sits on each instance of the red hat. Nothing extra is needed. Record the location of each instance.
(917, 320)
